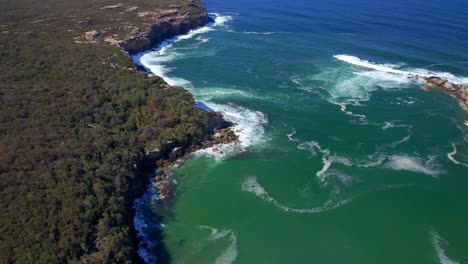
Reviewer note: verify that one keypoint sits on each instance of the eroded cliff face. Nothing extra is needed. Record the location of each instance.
(176, 21)
(137, 27)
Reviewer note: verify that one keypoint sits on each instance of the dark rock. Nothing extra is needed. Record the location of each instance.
(94, 35)
(169, 25)
(84, 22)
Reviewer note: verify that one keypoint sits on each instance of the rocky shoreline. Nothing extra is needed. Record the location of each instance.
(164, 182)
(159, 26)
(158, 162)
(84, 127)
(166, 24)
(152, 26)
(457, 91)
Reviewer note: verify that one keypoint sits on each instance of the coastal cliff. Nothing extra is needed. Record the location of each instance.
(82, 127)
(167, 25)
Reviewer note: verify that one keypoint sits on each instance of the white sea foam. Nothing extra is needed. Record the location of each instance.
(341, 176)
(414, 164)
(391, 124)
(143, 228)
(466, 123)
(254, 32)
(291, 136)
(248, 126)
(438, 242)
(312, 146)
(327, 159)
(394, 69)
(230, 253)
(453, 153)
(394, 162)
(249, 123)
(154, 60)
(345, 85)
(209, 93)
(370, 65)
(252, 186)
(401, 141)
(260, 33)
(343, 106)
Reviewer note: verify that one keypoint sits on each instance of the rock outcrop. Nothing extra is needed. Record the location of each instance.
(457, 91)
(167, 24)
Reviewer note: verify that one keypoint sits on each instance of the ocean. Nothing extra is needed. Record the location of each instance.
(343, 159)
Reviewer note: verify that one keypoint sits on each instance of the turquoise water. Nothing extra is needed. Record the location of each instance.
(343, 158)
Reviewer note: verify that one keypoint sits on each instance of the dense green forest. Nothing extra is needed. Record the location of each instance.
(75, 122)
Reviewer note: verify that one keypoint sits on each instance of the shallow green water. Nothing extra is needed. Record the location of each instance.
(343, 160)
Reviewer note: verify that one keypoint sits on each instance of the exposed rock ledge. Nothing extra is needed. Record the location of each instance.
(138, 29)
(166, 27)
(457, 91)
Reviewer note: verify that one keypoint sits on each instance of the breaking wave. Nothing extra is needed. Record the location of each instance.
(390, 68)
(252, 186)
(399, 75)
(154, 59)
(144, 227)
(249, 126)
(352, 85)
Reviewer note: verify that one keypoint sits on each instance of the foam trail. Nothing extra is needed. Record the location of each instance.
(451, 154)
(403, 140)
(327, 159)
(230, 254)
(394, 162)
(398, 162)
(290, 135)
(254, 32)
(343, 108)
(438, 242)
(214, 231)
(312, 146)
(388, 125)
(252, 186)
